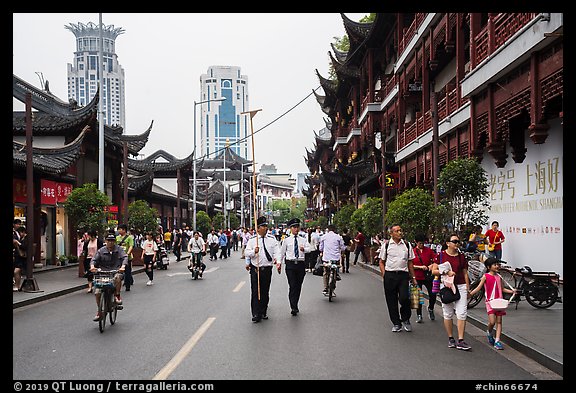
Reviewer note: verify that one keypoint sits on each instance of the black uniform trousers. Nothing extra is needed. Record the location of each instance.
(260, 307)
(397, 290)
(295, 272)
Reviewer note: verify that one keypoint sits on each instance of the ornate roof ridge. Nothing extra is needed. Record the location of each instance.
(47, 102)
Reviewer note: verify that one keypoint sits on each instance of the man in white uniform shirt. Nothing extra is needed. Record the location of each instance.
(292, 254)
(397, 269)
(262, 252)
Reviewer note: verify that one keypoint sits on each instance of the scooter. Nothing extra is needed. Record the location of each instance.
(162, 260)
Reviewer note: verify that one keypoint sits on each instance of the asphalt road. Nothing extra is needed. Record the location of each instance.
(181, 329)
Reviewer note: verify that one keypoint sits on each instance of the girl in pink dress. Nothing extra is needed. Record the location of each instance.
(492, 283)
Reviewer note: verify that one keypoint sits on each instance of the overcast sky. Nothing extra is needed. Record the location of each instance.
(164, 54)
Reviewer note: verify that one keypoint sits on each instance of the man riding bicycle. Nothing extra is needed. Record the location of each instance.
(110, 257)
(331, 247)
(197, 247)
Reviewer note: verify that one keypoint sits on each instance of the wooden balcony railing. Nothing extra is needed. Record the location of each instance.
(505, 25)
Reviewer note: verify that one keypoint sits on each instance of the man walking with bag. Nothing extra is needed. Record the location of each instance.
(397, 269)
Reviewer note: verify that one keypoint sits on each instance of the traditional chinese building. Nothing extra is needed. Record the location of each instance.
(65, 155)
(438, 86)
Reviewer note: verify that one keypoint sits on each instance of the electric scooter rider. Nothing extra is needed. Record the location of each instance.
(197, 249)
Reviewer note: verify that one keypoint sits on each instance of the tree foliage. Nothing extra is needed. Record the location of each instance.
(85, 208)
(203, 222)
(142, 217)
(372, 216)
(463, 184)
(413, 210)
(218, 221)
(343, 216)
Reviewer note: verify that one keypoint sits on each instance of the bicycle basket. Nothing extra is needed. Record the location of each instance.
(475, 270)
(103, 280)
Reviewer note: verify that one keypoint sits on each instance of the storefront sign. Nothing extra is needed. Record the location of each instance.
(47, 192)
(19, 191)
(53, 192)
(62, 191)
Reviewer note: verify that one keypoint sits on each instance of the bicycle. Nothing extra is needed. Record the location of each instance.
(476, 270)
(538, 288)
(196, 268)
(104, 281)
(332, 278)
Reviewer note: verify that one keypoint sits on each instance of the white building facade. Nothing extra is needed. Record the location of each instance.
(222, 120)
(83, 73)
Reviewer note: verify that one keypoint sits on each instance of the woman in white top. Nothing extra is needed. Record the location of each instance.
(150, 248)
(197, 249)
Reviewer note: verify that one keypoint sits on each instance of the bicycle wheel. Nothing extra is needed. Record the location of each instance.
(541, 294)
(477, 297)
(102, 307)
(510, 279)
(113, 310)
(332, 285)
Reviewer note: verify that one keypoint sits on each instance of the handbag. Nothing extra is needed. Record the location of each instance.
(414, 297)
(498, 304)
(448, 296)
(492, 246)
(318, 268)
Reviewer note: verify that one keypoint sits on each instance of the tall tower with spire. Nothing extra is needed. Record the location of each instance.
(222, 121)
(83, 72)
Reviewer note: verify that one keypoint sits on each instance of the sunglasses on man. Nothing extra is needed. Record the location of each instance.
(455, 241)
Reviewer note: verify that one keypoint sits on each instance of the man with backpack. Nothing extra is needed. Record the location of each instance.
(397, 269)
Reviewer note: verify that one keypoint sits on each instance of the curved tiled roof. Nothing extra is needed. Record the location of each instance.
(54, 160)
(55, 116)
(149, 163)
(343, 70)
(46, 102)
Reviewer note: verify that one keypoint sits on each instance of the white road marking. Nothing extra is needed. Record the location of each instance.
(184, 351)
(177, 274)
(240, 285)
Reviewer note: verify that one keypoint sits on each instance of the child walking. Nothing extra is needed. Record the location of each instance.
(492, 283)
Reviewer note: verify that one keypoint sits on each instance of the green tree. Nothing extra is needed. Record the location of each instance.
(203, 222)
(463, 184)
(357, 220)
(218, 221)
(372, 216)
(85, 208)
(142, 217)
(234, 221)
(342, 217)
(413, 210)
(281, 210)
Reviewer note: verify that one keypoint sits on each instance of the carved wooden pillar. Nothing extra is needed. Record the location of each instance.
(460, 57)
(496, 146)
(474, 29)
(538, 129)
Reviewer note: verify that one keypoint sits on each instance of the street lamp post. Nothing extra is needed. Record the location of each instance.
(194, 159)
(242, 224)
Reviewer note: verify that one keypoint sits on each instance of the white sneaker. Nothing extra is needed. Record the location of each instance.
(149, 283)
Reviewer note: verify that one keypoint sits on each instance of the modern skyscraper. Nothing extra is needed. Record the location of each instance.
(83, 74)
(223, 120)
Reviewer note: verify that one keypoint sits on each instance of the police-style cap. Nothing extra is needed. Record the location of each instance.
(295, 222)
(262, 221)
(110, 236)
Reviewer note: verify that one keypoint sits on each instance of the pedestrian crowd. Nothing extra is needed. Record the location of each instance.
(441, 269)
